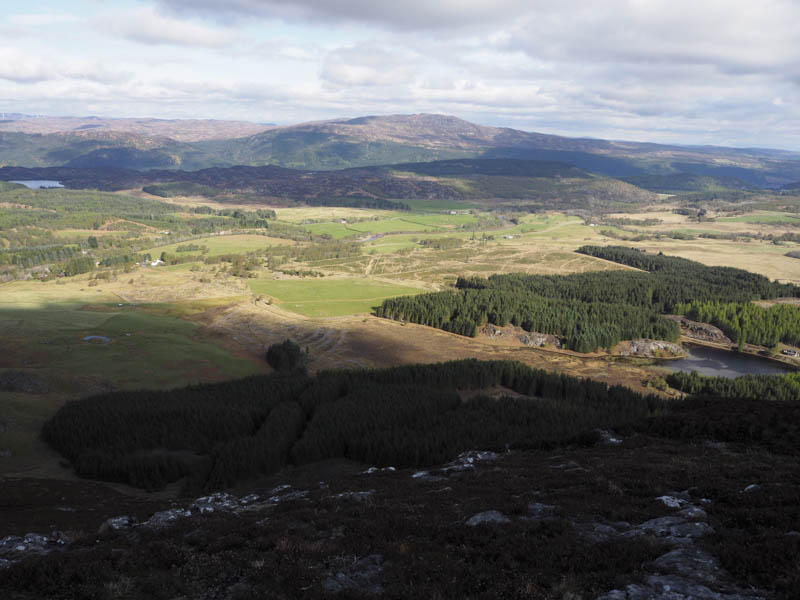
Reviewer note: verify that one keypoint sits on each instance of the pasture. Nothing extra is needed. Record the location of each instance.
(226, 244)
(329, 297)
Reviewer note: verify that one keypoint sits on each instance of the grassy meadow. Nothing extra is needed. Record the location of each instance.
(329, 297)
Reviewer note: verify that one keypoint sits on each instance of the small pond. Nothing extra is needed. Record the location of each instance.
(724, 363)
(39, 184)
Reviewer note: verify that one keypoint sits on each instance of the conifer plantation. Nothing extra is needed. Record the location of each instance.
(600, 309)
(224, 433)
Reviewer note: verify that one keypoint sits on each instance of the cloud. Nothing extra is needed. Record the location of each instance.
(20, 67)
(40, 19)
(366, 65)
(713, 71)
(145, 25)
(408, 15)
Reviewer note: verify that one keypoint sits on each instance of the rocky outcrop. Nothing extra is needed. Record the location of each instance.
(540, 340)
(703, 332)
(685, 571)
(651, 349)
(514, 334)
(14, 548)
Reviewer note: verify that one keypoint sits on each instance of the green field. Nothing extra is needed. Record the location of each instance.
(329, 297)
(335, 230)
(225, 244)
(762, 218)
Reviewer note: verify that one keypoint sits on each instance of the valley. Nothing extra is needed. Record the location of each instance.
(506, 305)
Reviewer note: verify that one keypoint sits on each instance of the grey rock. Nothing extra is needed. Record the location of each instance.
(489, 517)
(609, 438)
(9, 542)
(467, 460)
(672, 587)
(117, 524)
(295, 495)
(674, 529)
(693, 513)
(249, 499)
(692, 563)
(372, 470)
(5, 453)
(653, 348)
(215, 502)
(357, 496)
(539, 340)
(672, 501)
(753, 487)
(360, 577)
(166, 517)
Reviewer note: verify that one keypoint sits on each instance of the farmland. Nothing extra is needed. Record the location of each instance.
(226, 292)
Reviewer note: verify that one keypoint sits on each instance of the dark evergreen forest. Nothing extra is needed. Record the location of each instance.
(597, 309)
(223, 433)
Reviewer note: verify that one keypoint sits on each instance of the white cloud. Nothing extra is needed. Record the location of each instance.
(40, 19)
(408, 15)
(366, 65)
(145, 25)
(20, 67)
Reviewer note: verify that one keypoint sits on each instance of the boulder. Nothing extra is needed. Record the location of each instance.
(489, 517)
(117, 524)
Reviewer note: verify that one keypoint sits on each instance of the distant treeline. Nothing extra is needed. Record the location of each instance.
(682, 280)
(358, 202)
(223, 433)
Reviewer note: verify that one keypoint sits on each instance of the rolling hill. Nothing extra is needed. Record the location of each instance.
(375, 140)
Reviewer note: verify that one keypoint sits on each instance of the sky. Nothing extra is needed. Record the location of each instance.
(722, 72)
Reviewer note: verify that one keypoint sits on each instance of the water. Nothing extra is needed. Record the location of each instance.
(724, 363)
(38, 184)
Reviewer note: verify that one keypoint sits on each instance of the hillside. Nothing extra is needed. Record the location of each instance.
(573, 490)
(365, 141)
(536, 183)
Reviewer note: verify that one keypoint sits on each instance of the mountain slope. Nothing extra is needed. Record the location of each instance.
(384, 140)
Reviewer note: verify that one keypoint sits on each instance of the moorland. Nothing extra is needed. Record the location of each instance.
(137, 308)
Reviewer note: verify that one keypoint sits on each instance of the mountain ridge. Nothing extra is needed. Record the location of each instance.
(382, 140)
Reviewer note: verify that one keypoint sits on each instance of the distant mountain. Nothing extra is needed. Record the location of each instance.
(181, 130)
(369, 141)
